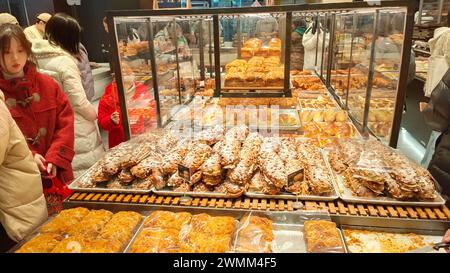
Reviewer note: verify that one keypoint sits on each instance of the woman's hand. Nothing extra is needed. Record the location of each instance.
(115, 118)
(51, 169)
(40, 161)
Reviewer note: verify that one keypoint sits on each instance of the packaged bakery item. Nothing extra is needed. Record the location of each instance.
(255, 234)
(253, 43)
(322, 236)
(196, 156)
(65, 221)
(145, 167)
(43, 243)
(242, 173)
(175, 157)
(125, 176)
(92, 224)
(275, 42)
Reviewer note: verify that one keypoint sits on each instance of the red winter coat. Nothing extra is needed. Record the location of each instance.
(109, 103)
(45, 117)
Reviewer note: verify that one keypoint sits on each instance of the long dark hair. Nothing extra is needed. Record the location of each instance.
(11, 31)
(63, 30)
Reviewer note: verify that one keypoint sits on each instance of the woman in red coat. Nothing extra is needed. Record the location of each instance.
(110, 117)
(37, 104)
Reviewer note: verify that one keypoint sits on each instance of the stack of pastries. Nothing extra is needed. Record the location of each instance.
(322, 236)
(169, 232)
(79, 230)
(255, 235)
(256, 72)
(254, 47)
(370, 169)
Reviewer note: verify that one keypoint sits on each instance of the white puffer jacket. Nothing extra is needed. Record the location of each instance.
(60, 65)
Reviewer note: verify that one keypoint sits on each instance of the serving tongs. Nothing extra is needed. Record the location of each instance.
(432, 248)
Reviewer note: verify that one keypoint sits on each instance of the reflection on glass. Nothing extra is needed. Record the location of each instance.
(136, 75)
(388, 47)
(256, 62)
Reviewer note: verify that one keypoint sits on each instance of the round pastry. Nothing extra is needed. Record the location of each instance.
(330, 116)
(318, 116)
(341, 116)
(253, 43)
(275, 42)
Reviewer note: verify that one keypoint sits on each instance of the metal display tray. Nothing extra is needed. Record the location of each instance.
(290, 196)
(169, 192)
(76, 187)
(346, 195)
(36, 232)
(429, 236)
(287, 227)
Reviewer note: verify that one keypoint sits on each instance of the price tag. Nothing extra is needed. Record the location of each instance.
(184, 172)
(296, 177)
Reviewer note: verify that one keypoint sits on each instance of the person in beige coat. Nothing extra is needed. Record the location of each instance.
(22, 202)
(55, 58)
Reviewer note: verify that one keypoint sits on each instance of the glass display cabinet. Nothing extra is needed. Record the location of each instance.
(253, 56)
(369, 54)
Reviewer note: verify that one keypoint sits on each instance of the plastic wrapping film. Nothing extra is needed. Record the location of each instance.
(281, 232)
(165, 231)
(370, 171)
(79, 230)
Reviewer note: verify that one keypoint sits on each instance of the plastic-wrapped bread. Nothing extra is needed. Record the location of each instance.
(145, 167)
(268, 186)
(167, 143)
(210, 136)
(271, 164)
(92, 224)
(158, 179)
(212, 166)
(173, 158)
(125, 176)
(43, 243)
(175, 180)
(230, 153)
(140, 152)
(211, 180)
(201, 187)
(243, 172)
(255, 235)
(196, 156)
(238, 133)
(256, 183)
(142, 184)
(195, 178)
(233, 189)
(115, 183)
(184, 187)
(318, 179)
(111, 163)
(98, 175)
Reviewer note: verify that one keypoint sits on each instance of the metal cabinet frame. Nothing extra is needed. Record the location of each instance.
(410, 5)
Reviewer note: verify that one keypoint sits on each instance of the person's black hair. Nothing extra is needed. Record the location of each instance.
(12, 31)
(63, 30)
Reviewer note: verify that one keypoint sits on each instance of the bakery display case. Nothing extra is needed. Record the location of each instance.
(369, 54)
(227, 163)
